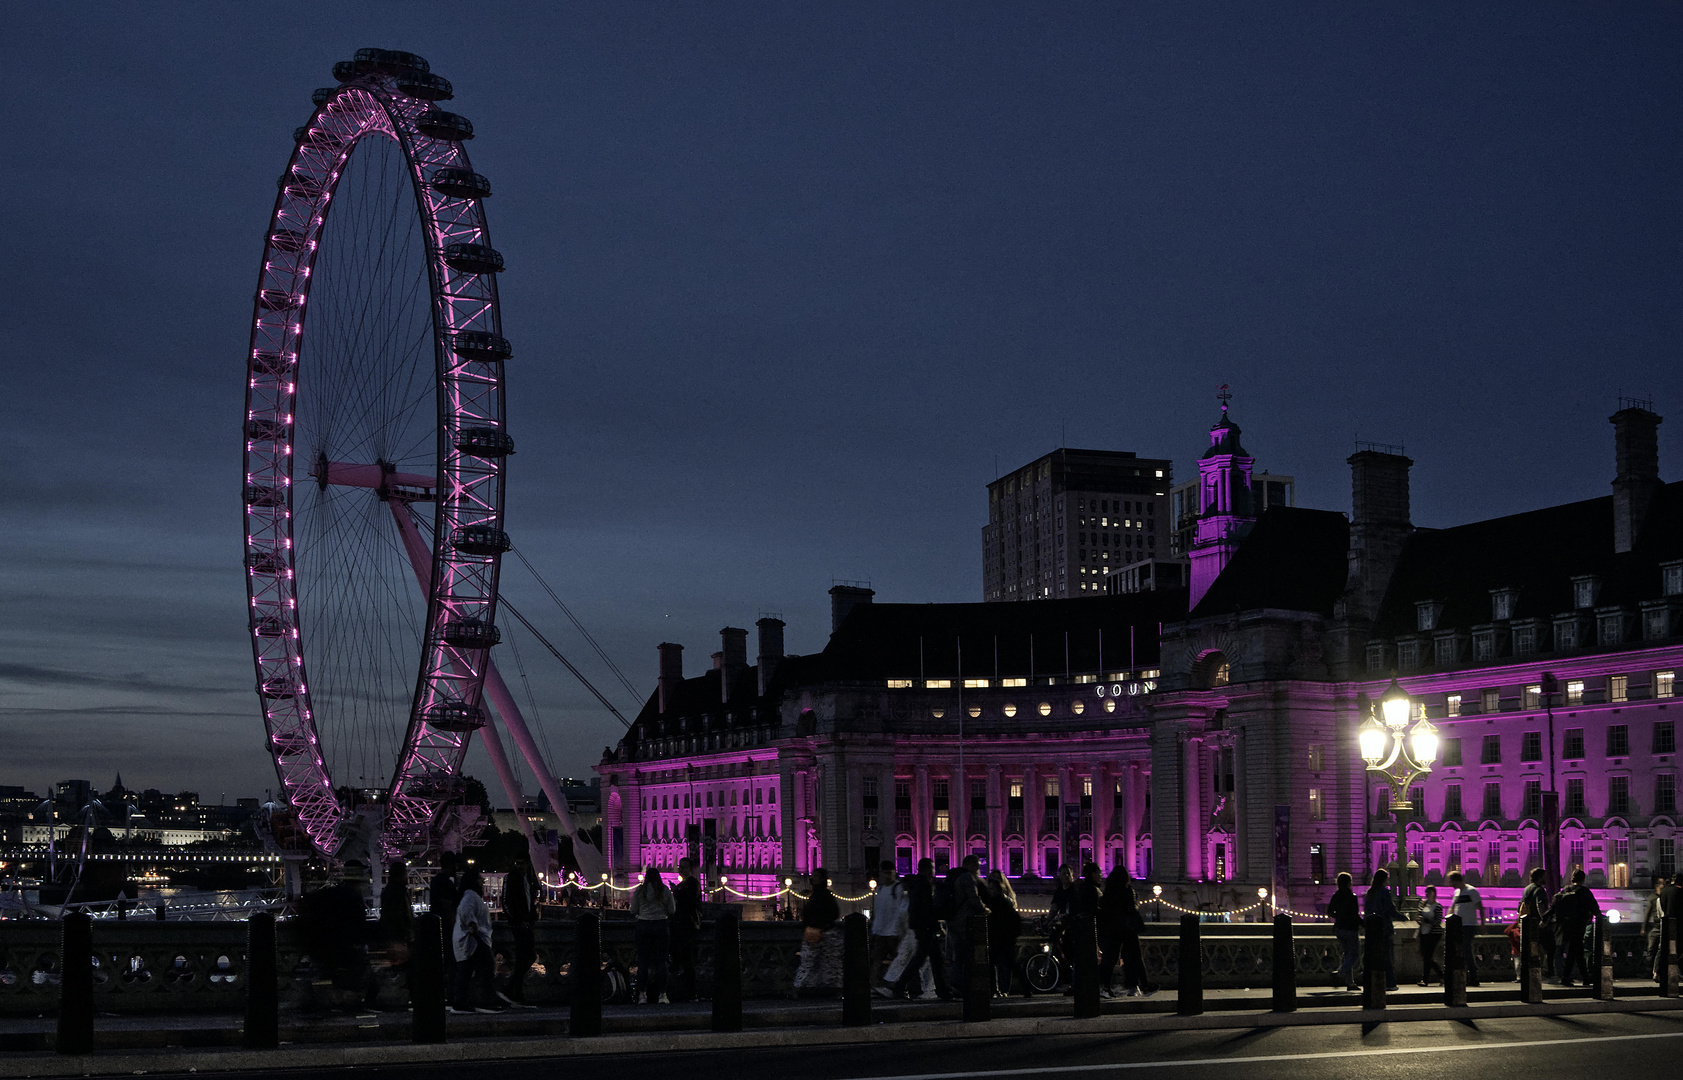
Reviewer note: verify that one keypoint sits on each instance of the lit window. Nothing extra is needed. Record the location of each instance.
(938, 684)
(1575, 692)
(1618, 688)
(974, 710)
(1010, 710)
(1078, 706)
(1665, 684)
(975, 684)
(1045, 708)
(1533, 697)
(900, 684)
(1317, 805)
(1452, 705)
(943, 821)
(1013, 682)
(1316, 757)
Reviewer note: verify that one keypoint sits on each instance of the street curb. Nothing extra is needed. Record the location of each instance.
(490, 1049)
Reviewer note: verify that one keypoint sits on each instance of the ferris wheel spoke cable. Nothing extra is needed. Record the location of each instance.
(565, 610)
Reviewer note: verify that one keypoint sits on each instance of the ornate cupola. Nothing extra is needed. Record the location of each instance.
(1226, 508)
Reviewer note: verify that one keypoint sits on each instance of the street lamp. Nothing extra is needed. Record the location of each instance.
(1400, 753)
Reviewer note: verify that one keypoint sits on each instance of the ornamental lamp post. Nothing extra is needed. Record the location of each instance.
(1400, 753)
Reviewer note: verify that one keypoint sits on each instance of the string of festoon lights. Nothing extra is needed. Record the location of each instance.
(577, 881)
(1262, 900)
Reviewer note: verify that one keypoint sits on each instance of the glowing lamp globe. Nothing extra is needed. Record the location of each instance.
(1374, 741)
(1612, 915)
(1423, 742)
(1394, 706)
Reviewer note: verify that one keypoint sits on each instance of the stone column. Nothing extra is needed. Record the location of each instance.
(1242, 846)
(922, 812)
(1192, 809)
(996, 819)
(1033, 801)
(1130, 816)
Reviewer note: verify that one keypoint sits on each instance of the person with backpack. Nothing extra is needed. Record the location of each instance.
(1346, 916)
(1430, 920)
(1574, 910)
(1467, 904)
(1535, 901)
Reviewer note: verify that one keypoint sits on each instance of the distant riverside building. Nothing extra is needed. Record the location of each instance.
(1212, 748)
(1056, 525)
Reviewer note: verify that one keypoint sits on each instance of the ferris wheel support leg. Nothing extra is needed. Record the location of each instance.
(511, 786)
(588, 858)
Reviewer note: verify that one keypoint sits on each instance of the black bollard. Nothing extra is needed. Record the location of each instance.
(262, 984)
(1191, 996)
(1601, 955)
(1084, 955)
(1530, 962)
(1373, 963)
(856, 971)
(426, 980)
(1454, 963)
(159, 912)
(1285, 966)
(586, 1015)
(1668, 956)
(978, 974)
(727, 973)
(75, 1004)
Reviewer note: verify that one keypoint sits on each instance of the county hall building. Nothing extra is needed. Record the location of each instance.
(1205, 736)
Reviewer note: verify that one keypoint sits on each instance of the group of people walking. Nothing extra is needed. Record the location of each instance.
(457, 897)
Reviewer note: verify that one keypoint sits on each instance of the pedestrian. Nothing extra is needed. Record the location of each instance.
(686, 928)
(1120, 923)
(1063, 893)
(1430, 920)
(1651, 915)
(1535, 901)
(888, 923)
(1004, 924)
(471, 942)
(821, 940)
(520, 908)
(1574, 910)
(1378, 902)
(1671, 910)
(967, 904)
(926, 931)
(1465, 902)
(1088, 890)
(652, 906)
(1346, 916)
(443, 897)
(396, 920)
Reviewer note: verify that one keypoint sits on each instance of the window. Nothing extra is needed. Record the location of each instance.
(1013, 682)
(1316, 763)
(1618, 688)
(1665, 794)
(1533, 696)
(978, 804)
(1484, 645)
(1317, 805)
(900, 684)
(1452, 705)
(903, 806)
(1665, 737)
(1452, 802)
(1452, 752)
(1525, 640)
(1666, 851)
(1533, 798)
(1618, 872)
(1531, 746)
(1566, 634)
(1618, 740)
(1502, 603)
(1489, 700)
(868, 798)
(1317, 864)
(1453, 859)
(1618, 795)
(1493, 800)
(1572, 744)
(975, 684)
(1492, 751)
(1665, 684)
(1584, 591)
(1575, 692)
(1575, 796)
(943, 821)
(1575, 855)
(938, 684)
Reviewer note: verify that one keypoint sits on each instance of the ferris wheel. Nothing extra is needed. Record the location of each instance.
(375, 447)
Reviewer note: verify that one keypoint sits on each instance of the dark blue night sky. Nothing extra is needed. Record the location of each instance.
(791, 283)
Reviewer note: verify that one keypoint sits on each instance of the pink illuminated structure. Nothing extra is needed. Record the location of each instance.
(385, 100)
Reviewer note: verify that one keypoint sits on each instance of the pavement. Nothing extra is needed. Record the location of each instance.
(138, 1044)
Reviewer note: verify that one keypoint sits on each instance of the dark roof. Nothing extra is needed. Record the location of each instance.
(1294, 560)
(1537, 553)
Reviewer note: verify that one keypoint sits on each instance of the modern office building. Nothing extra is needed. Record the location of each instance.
(1056, 525)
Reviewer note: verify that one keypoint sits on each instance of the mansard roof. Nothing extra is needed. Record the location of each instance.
(1293, 559)
(1537, 553)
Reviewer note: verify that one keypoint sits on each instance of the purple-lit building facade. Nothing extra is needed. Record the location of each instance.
(1212, 750)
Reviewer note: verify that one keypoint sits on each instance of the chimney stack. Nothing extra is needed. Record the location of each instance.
(671, 673)
(1636, 444)
(733, 658)
(1379, 526)
(771, 650)
(844, 598)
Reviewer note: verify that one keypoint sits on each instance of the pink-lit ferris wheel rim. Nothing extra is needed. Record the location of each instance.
(467, 490)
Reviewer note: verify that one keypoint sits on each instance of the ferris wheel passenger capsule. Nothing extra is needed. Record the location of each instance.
(485, 442)
(474, 258)
(446, 126)
(461, 184)
(471, 634)
(455, 716)
(481, 346)
(481, 540)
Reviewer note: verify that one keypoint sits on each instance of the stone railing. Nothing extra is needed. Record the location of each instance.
(144, 966)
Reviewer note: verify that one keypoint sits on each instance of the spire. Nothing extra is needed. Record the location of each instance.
(1226, 510)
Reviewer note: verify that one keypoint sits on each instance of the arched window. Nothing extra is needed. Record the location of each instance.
(1211, 670)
